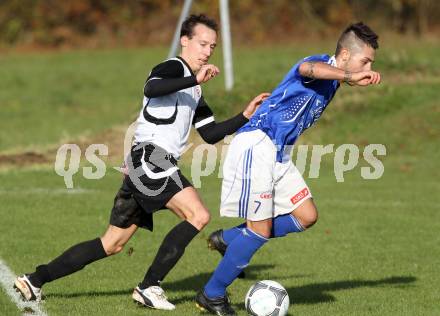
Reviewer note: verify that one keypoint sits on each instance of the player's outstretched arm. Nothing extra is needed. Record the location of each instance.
(213, 131)
(324, 71)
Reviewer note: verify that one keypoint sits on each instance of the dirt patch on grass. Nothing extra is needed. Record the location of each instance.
(113, 138)
(24, 159)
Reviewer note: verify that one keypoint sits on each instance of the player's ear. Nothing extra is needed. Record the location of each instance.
(184, 41)
(345, 55)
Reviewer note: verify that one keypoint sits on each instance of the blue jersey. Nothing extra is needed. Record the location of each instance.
(295, 104)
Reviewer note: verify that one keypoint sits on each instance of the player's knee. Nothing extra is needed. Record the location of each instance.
(202, 218)
(308, 219)
(112, 248)
(199, 217)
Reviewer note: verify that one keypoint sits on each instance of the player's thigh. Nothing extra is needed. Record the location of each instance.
(115, 238)
(290, 190)
(262, 227)
(188, 205)
(306, 213)
(177, 212)
(248, 179)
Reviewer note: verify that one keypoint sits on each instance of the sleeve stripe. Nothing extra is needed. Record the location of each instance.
(204, 122)
(152, 78)
(308, 81)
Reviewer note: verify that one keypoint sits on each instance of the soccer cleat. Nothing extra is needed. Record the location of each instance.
(153, 297)
(26, 289)
(216, 242)
(217, 306)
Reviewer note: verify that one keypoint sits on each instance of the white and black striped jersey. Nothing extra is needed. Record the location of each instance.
(170, 106)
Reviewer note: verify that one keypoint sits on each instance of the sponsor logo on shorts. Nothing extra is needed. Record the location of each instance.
(198, 91)
(265, 195)
(299, 196)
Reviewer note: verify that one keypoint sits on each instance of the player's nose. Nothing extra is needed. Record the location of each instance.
(207, 52)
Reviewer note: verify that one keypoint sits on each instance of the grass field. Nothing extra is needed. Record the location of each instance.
(374, 251)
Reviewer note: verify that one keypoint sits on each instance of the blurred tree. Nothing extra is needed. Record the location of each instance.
(410, 15)
(78, 22)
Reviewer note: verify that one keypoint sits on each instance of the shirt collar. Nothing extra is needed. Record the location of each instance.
(332, 61)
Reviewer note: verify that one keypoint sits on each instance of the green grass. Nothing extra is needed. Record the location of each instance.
(7, 307)
(374, 250)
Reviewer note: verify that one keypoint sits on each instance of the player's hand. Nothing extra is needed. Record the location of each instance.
(254, 104)
(207, 72)
(364, 78)
(124, 169)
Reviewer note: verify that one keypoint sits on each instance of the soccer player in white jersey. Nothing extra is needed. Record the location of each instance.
(261, 184)
(173, 101)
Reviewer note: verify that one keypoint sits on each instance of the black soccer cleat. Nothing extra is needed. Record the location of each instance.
(216, 242)
(218, 306)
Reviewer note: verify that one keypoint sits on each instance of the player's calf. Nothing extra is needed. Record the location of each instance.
(217, 242)
(237, 257)
(115, 238)
(72, 260)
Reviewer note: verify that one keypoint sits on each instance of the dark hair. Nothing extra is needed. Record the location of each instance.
(190, 22)
(362, 32)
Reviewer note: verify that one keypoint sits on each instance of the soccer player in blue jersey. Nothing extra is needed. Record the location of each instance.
(261, 184)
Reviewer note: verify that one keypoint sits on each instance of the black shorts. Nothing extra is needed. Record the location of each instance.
(153, 179)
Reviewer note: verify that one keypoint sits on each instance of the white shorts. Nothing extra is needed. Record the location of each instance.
(255, 186)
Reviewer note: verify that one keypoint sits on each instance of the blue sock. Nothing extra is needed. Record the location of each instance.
(230, 234)
(285, 224)
(237, 257)
(281, 226)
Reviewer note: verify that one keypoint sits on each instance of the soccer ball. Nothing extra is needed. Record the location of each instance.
(267, 298)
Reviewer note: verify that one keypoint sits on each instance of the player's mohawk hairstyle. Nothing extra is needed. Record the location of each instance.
(362, 32)
(189, 24)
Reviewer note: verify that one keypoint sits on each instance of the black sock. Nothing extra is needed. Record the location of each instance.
(72, 260)
(172, 248)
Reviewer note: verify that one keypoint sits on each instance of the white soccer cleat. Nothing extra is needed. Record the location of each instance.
(26, 289)
(153, 297)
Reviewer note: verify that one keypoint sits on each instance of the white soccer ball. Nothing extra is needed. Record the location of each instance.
(267, 298)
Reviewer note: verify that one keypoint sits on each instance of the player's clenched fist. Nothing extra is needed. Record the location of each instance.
(206, 73)
(363, 78)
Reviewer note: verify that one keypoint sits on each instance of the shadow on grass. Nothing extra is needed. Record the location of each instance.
(90, 294)
(192, 283)
(196, 282)
(317, 292)
(307, 294)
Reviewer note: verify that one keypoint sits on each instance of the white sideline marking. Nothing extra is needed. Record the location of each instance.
(7, 278)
